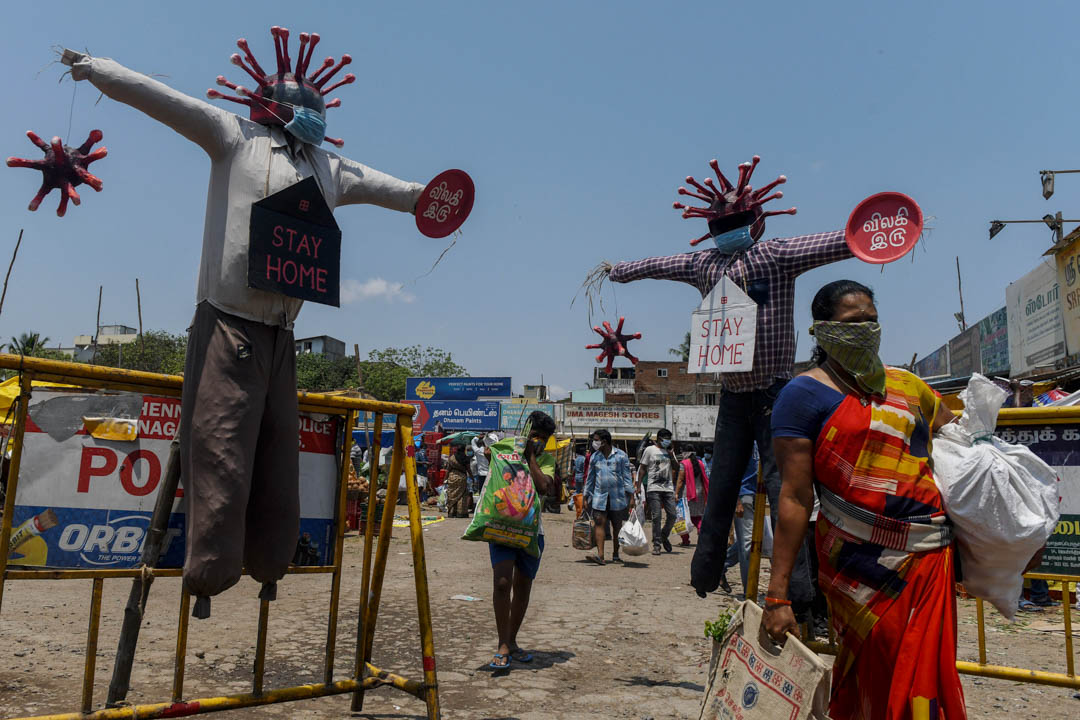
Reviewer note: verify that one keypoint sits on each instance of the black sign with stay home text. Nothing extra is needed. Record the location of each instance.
(295, 245)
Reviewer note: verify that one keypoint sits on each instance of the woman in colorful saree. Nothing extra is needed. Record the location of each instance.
(860, 434)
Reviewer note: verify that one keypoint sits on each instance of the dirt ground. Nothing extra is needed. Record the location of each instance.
(619, 641)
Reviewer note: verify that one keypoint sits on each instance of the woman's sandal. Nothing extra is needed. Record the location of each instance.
(496, 665)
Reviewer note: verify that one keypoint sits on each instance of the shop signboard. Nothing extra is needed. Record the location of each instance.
(964, 356)
(513, 415)
(85, 498)
(454, 415)
(1056, 444)
(936, 364)
(456, 388)
(994, 343)
(1036, 332)
(629, 417)
(1068, 265)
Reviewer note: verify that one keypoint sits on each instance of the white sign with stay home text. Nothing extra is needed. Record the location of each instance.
(722, 331)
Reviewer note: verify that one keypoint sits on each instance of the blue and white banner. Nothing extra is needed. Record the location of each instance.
(456, 388)
(513, 415)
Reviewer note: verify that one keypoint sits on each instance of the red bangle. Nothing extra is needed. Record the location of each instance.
(769, 600)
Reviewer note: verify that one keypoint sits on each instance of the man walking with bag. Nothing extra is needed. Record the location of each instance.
(658, 462)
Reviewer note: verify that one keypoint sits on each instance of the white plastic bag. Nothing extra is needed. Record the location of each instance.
(632, 540)
(1001, 498)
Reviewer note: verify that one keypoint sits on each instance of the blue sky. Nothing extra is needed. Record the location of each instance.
(577, 121)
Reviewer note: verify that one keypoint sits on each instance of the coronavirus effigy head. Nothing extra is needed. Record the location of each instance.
(292, 97)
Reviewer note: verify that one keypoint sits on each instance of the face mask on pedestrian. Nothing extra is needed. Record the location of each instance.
(854, 347)
(665, 443)
(596, 444)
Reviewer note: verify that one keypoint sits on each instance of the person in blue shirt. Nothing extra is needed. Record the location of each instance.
(579, 470)
(609, 491)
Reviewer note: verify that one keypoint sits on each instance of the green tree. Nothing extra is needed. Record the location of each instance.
(386, 370)
(29, 343)
(316, 372)
(157, 351)
(683, 351)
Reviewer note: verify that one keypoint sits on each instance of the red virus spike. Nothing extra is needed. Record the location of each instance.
(775, 196)
(94, 137)
(314, 38)
(299, 72)
(699, 196)
(744, 176)
(283, 33)
(702, 189)
(243, 45)
(764, 191)
(212, 93)
(336, 102)
(62, 168)
(236, 60)
(701, 239)
(348, 79)
(613, 344)
(337, 142)
(37, 140)
(771, 213)
(725, 185)
(275, 31)
(345, 60)
(327, 63)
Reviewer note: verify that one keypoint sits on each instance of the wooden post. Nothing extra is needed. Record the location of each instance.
(97, 326)
(10, 265)
(960, 287)
(138, 304)
(140, 585)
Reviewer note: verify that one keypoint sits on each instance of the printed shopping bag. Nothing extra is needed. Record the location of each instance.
(682, 517)
(508, 512)
(752, 679)
(583, 532)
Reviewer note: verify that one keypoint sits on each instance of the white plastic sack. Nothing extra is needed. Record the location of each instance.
(1001, 498)
(632, 540)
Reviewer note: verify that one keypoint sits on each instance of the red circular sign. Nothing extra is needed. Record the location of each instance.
(884, 227)
(445, 203)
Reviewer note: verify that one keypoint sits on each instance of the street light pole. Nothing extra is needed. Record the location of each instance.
(1047, 177)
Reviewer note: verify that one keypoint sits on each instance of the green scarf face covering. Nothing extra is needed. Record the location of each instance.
(855, 347)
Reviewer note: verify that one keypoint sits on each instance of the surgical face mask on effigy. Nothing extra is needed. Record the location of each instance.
(734, 240)
(307, 125)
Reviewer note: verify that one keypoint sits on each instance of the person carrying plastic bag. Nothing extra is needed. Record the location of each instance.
(1001, 498)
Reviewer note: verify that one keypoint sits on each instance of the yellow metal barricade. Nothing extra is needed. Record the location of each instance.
(366, 676)
(1027, 418)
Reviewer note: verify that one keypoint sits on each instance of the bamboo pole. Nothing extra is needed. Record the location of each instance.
(138, 304)
(10, 265)
(97, 326)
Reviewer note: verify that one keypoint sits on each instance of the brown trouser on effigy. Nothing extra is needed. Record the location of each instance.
(239, 454)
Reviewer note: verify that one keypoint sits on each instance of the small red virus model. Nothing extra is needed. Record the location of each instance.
(732, 206)
(278, 94)
(613, 344)
(63, 167)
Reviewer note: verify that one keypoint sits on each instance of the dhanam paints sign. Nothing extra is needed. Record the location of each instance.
(85, 500)
(481, 415)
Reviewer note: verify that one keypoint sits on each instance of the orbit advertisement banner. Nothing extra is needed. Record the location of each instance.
(88, 483)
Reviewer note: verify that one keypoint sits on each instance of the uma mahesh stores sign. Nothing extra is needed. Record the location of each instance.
(636, 416)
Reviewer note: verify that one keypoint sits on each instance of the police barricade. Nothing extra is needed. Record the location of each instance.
(91, 449)
(1054, 435)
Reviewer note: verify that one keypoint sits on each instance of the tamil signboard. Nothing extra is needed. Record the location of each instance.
(1068, 265)
(453, 415)
(513, 415)
(1056, 444)
(722, 331)
(86, 501)
(1036, 331)
(994, 343)
(456, 388)
(629, 417)
(936, 364)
